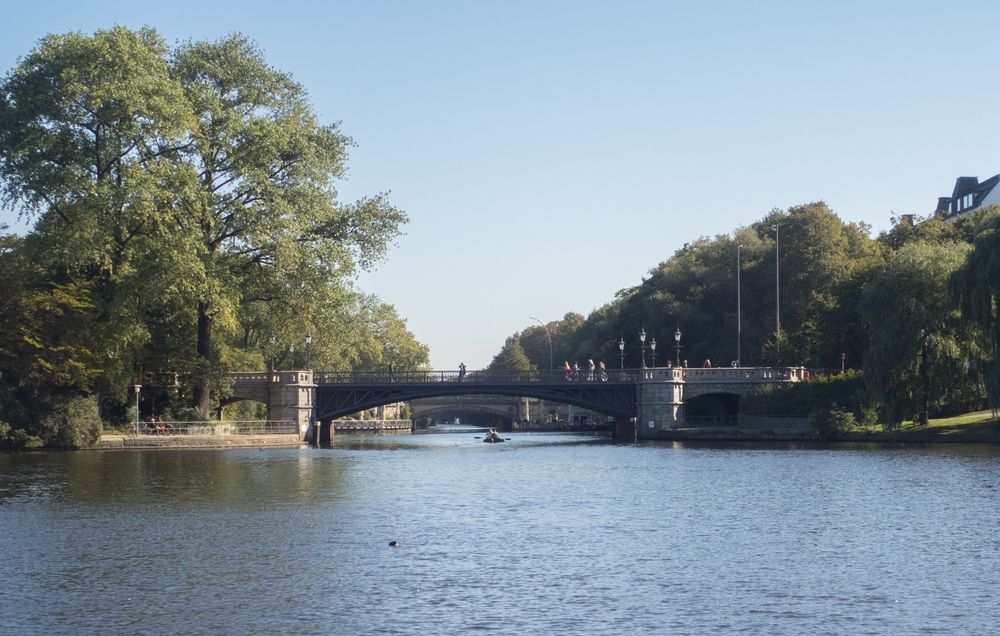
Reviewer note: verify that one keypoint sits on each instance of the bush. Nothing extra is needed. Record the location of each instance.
(830, 424)
(71, 423)
(820, 394)
(15, 438)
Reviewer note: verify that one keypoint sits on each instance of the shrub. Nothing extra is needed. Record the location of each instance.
(830, 424)
(72, 422)
(15, 438)
(821, 393)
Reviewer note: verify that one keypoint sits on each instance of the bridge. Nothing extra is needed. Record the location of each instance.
(642, 401)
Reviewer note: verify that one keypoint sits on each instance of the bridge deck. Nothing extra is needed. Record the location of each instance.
(476, 377)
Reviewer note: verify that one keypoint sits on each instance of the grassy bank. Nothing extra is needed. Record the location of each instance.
(978, 426)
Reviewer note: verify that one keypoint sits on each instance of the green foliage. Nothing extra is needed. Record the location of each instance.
(830, 424)
(846, 391)
(71, 423)
(511, 358)
(918, 351)
(975, 287)
(17, 439)
(824, 262)
(186, 221)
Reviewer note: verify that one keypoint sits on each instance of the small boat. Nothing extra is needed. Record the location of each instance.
(492, 438)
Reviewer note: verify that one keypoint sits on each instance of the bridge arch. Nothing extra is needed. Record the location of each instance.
(714, 404)
(333, 401)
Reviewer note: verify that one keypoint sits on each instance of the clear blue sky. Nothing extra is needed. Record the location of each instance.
(551, 153)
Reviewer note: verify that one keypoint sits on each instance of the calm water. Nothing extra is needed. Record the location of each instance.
(547, 534)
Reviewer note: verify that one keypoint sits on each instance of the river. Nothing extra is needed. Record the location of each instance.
(545, 534)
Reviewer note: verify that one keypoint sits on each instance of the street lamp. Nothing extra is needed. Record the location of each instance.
(291, 354)
(677, 344)
(309, 348)
(777, 280)
(642, 340)
(138, 387)
(550, 340)
(273, 350)
(652, 347)
(739, 320)
(621, 353)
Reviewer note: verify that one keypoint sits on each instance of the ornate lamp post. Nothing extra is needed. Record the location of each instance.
(138, 387)
(652, 348)
(621, 353)
(291, 354)
(273, 362)
(642, 340)
(309, 348)
(677, 344)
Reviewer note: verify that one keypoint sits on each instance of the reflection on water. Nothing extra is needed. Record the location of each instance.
(548, 533)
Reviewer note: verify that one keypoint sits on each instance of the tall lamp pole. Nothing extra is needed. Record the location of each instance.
(621, 353)
(677, 344)
(138, 387)
(291, 354)
(550, 340)
(739, 313)
(309, 348)
(777, 280)
(652, 347)
(642, 340)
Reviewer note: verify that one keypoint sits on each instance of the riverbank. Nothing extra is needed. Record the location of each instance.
(971, 428)
(118, 441)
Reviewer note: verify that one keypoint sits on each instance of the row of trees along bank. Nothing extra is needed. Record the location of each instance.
(184, 221)
(915, 308)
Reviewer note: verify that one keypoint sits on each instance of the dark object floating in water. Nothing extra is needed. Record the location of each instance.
(394, 544)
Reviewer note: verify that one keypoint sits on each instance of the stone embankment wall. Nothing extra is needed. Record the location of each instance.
(111, 442)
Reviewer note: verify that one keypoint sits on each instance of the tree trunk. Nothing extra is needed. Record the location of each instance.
(202, 388)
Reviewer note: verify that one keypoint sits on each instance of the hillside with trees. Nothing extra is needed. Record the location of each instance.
(913, 309)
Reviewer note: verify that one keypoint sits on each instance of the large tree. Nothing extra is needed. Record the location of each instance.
(918, 350)
(976, 288)
(257, 210)
(187, 197)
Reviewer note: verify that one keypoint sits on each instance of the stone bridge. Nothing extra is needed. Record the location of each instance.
(642, 401)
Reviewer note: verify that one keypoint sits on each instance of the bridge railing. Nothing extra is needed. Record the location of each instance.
(754, 375)
(480, 377)
(249, 427)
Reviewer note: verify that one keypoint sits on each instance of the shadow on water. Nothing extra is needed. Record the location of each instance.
(245, 478)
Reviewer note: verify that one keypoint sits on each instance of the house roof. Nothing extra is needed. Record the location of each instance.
(965, 186)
